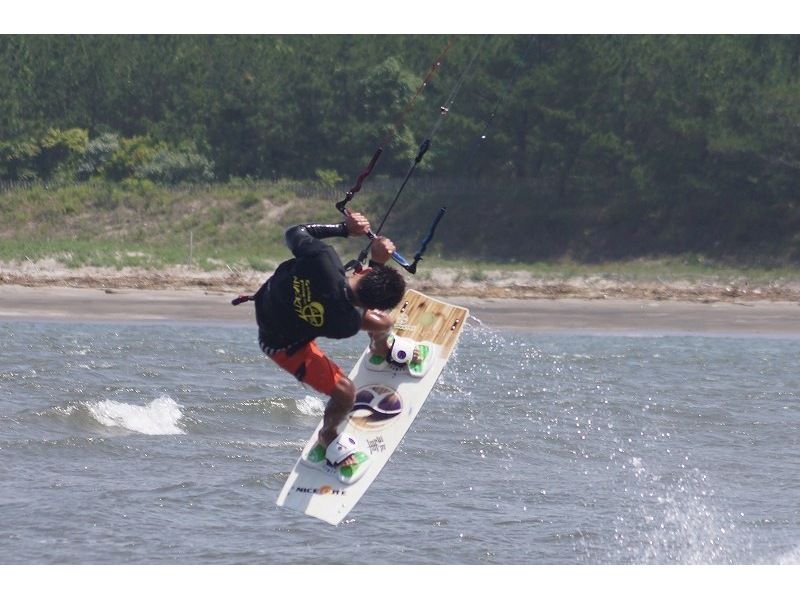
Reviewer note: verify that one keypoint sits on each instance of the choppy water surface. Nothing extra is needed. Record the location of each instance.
(124, 443)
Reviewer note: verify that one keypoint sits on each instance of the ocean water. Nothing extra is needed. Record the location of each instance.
(130, 443)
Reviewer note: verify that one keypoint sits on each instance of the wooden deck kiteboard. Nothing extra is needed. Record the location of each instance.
(388, 398)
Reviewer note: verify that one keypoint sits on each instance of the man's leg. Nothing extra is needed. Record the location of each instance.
(339, 405)
(311, 366)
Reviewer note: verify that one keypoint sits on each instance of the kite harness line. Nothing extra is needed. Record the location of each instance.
(342, 205)
(444, 110)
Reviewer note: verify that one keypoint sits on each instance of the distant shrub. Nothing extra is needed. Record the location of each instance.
(16, 159)
(139, 187)
(98, 153)
(133, 153)
(61, 150)
(56, 152)
(72, 141)
(247, 201)
(328, 178)
(177, 166)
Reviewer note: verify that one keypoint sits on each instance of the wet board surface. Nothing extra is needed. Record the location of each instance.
(388, 398)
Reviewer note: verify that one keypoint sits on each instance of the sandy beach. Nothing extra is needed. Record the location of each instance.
(625, 316)
(507, 299)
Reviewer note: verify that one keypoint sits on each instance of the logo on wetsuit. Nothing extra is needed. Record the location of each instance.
(312, 312)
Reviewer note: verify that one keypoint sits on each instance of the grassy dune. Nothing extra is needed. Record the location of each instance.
(240, 225)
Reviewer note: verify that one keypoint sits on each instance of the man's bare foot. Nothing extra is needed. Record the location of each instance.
(351, 460)
(415, 359)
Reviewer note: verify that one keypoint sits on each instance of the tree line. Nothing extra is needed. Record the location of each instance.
(595, 146)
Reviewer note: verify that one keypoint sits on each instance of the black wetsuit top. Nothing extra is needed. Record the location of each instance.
(307, 296)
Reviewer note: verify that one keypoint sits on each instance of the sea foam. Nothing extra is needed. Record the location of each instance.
(159, 416)
(313, 406)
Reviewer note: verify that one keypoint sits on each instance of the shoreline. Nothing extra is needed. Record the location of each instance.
(439, 281)
(501, 299)
(561, 314)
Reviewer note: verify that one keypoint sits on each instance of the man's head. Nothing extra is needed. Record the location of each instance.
(379, 287)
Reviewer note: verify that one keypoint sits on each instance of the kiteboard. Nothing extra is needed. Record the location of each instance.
(390, 392)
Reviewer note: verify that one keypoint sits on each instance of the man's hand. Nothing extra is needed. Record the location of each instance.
(382, 249)
(357, 224)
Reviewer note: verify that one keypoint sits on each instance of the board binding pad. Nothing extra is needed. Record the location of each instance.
(416, 368)
(388, 398)
(346, 474)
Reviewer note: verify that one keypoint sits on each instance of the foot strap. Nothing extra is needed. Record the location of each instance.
(342, 447)
(339, 450)
(402, 349)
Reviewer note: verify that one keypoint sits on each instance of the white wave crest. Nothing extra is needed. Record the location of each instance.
(311, 405)
(159, 416)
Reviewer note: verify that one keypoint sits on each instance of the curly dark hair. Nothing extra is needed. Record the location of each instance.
(381, 288)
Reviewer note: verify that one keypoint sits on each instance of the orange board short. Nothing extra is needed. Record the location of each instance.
(311, 366)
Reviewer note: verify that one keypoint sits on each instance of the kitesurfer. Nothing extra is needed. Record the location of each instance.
(311, 296)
